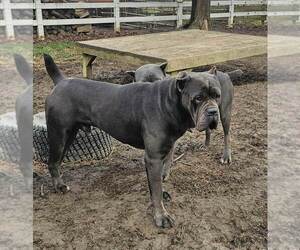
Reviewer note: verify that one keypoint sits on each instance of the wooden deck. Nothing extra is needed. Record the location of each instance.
(279, 45)
(183, 50)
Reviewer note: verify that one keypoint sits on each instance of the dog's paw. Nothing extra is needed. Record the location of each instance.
(63, 188)
(226, 158)
(165, 176)
(60, 186)
(164, 221)
(166, 196)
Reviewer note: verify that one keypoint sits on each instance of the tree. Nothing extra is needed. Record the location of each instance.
(200, 15)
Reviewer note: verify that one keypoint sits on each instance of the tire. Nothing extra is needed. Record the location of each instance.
(9, 138)
(93, 145)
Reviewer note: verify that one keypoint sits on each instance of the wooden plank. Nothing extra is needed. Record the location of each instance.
(285, 2)
(148, 18)
(39, 19)
(76, 5)
(78, 21)
(107, 54)
(148, 4)
(181, 49)
(283, 13)
(7, 15)
(18, 6)
(283, 45)
(226, 3)
(117, 25)
(179, 13)
(25, 22)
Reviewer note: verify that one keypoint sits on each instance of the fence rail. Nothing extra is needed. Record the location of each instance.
(9, 22)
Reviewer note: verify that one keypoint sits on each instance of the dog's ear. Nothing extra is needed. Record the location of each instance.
(163, 66)
(181, 80)
(131, 73)
(24, 69)
(213, 70)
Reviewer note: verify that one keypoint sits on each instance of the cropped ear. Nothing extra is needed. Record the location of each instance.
(163, 66)
(181, 80)
(213, 70)
(24, 69)
(131, 73)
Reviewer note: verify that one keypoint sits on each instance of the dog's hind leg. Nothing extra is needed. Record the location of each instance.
(225, 119)
(71, 134)
(59, 142)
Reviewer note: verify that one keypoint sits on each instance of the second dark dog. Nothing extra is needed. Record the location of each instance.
(225, 105)
(149, 72)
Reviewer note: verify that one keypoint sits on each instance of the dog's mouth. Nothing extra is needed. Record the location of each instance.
(205, 120)
(213, 122)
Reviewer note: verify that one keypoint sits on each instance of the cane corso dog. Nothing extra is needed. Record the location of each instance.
(149, 72)
(153, 72)
(149, 116)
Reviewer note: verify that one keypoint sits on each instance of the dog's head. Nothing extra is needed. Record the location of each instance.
(149, 72)
(200, 95)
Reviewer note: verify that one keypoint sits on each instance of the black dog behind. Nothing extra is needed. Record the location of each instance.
(150, 116)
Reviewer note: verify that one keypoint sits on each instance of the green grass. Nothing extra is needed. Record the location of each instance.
(10, 48)
(59, 50)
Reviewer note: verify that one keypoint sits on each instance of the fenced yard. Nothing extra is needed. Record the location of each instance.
(177, 12)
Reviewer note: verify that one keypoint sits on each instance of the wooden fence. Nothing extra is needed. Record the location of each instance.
(9, 22)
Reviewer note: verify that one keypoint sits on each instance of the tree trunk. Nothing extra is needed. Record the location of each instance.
(200, 15)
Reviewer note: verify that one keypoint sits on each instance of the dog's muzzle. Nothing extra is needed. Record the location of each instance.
(212, 117)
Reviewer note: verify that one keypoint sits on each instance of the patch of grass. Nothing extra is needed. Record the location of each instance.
(61, 51)
(8, 49)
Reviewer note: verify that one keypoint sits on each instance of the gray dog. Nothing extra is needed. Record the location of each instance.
(149, 116)
(153, 72)
(24, 119)
(225, 106)
(149, 72)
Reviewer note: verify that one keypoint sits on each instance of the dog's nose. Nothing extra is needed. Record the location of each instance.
(212, 111)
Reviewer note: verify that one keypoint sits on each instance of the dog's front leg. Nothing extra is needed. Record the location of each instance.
(168, 162)
(154, 167)
(207, 137)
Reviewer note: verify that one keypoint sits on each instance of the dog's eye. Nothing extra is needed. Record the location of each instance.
(198, 98)
(215, 95)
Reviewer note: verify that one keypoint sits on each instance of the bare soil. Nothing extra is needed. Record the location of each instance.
(216, 206)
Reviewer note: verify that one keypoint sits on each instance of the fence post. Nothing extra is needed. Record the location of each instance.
(231, 14)
(39, 19)
(117, 15)
(9, 26)
(179, 13)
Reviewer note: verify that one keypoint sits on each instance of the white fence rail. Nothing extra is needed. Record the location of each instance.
(6, 6)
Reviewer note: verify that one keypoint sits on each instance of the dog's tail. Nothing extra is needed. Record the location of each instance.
(24, 69)
(235, 74)
(53, 70)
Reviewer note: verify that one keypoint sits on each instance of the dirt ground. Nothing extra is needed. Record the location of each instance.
(216, 206)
